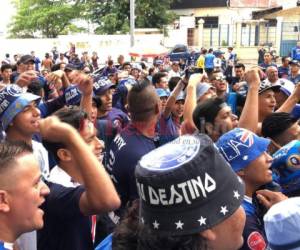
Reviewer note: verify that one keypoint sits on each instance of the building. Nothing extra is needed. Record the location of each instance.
(226, 22)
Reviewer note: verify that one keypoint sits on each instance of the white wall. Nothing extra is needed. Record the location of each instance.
(112, 45)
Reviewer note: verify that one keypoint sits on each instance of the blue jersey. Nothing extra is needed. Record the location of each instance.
(126, 150)
(264, 66)
(117, 118)
(296, 111)
(6, 246)
(254, 233)
(296, 53)
(295, 79)
(168, 129)
(283, 72)
(209, 61)
(106, 244)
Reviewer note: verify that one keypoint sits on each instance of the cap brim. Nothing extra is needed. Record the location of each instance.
(103, 89)
(16, 107)
(274, 88)
(285, 91)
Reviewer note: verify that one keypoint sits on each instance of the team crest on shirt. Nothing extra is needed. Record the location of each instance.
(256, 241)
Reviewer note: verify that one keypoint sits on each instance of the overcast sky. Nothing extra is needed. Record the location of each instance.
(7, 11)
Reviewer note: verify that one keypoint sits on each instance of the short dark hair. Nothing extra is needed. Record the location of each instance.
(142, 99)
(276, 123)
(131, 234)
(72, 115)
(284, 58)
(126, 64)
(35, 87)
(157, 77)
(9, 151)
(5, 66)
(240, 65)
(204, 51)
(173, 82)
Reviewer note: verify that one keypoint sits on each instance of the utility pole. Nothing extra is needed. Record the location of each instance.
(132, 18)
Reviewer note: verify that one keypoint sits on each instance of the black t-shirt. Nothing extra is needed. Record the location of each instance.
(65, 227)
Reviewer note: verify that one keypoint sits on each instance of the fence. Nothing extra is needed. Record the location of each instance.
(289, 36)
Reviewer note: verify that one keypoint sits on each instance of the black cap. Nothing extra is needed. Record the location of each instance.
(266, 85)
(276, 123)
(70, 67)
(186, 187)
(26, 59)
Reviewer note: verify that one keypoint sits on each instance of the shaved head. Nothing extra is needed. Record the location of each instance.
(143, 101)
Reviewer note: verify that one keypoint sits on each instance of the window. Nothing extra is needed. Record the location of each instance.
(271, 23)
(209, 21)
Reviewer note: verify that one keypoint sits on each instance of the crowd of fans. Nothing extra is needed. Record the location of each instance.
(196, 154)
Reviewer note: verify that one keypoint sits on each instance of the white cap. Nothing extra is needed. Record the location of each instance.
(282, 225)
(287, 86)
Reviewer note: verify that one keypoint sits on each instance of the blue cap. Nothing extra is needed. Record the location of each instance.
(101, 85)
(286, 166)
(162, 92)
(12, 102)
(72, 95)
(240, 147)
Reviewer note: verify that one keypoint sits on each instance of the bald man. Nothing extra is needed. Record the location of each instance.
(272, 75)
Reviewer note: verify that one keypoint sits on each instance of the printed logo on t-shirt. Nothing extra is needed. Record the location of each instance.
(256, 241)
(173, 155)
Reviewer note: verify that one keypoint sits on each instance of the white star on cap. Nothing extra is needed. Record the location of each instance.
(155, 224)
(202, 221)
(179, 224)
(224, 210)
(236, 194)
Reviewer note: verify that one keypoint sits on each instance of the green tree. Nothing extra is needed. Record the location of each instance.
(46, 17)
(113, 16)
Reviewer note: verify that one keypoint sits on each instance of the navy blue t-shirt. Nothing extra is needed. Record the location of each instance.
(126, 150)
(65, 227)
(295, 79)
(117, 117)
(264, 66)
(254, 233)
(283, 72)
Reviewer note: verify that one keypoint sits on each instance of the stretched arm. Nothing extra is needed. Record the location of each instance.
(100, 195)
(190, 102)
(249, 116)
(172, 99)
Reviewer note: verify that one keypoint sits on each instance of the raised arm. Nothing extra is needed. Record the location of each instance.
(249, 115)
(190, 102)
(100, 194)
(172, 99)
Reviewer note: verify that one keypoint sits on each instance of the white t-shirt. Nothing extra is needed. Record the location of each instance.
(41, 155)
(59, 176)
